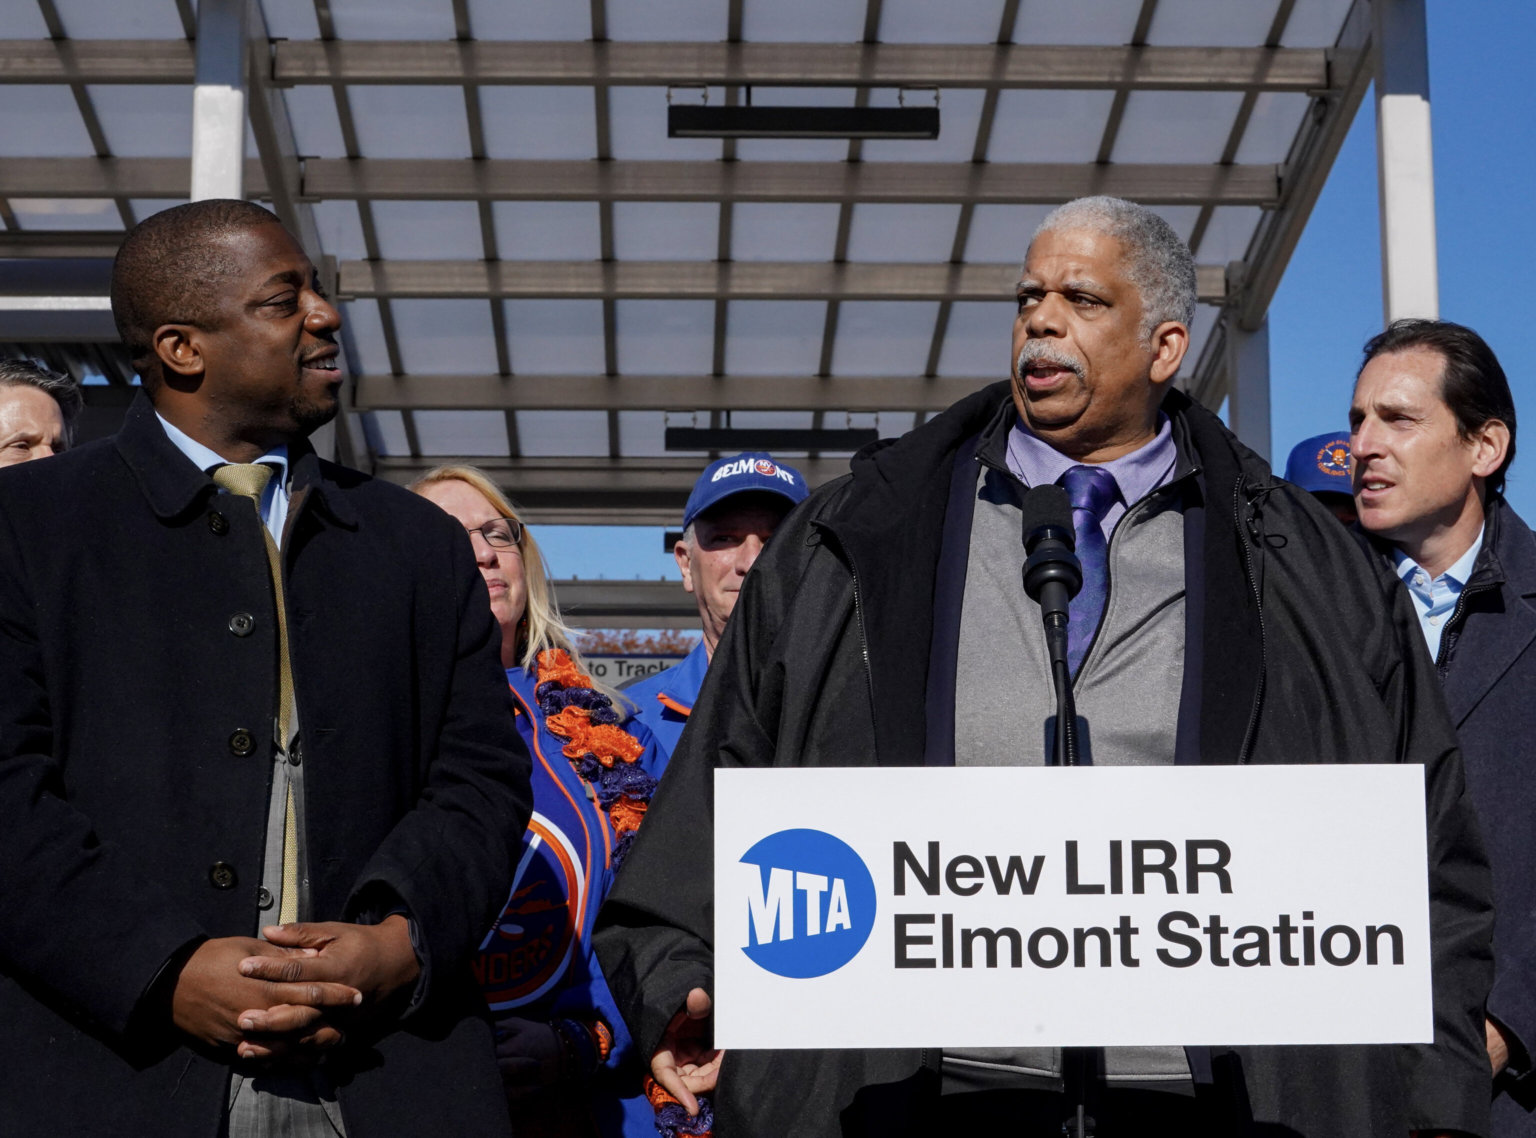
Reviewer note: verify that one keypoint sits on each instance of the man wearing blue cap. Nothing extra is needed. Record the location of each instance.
(1320, 465)
(735, 506)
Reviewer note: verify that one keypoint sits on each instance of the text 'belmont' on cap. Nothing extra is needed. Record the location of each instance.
(751, 470)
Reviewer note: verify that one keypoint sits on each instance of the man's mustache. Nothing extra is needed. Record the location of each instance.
(1038, 351)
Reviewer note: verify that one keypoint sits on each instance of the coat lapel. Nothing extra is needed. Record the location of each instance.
(1502, 624)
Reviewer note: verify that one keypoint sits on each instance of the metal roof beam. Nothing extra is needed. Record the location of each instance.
(385, 179)
(663, 392)
(995, 66)
(993, 183)
(698, 280)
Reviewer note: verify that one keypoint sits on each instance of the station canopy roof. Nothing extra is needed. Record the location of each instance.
(538, 280)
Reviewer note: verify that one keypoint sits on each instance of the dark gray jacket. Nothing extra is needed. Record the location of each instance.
(1299, 648)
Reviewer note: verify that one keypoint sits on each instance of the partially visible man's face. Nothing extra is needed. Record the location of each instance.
(1413, 472)
(1090, 385)
(269, 364)
(31, 424)
(726, 541)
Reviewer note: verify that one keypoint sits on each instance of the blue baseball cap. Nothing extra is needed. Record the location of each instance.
(750, 470)
(1321, 464)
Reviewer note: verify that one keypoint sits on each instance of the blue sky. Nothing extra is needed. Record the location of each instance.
(1329, 304)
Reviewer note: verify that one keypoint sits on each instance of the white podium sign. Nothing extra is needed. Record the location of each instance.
(1005, 906)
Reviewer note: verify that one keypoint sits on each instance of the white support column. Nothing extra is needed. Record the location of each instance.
(218, 101)
(1248, 383)
(1404, 165)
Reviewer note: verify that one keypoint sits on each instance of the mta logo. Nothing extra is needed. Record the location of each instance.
(812, 905)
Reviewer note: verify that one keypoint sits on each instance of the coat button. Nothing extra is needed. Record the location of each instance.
(242, 623)
(217, 523)
(296, 752)
(264, 898)
(242, 743)
(222, 875)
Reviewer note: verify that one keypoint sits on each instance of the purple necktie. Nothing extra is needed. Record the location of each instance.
(1092, 491)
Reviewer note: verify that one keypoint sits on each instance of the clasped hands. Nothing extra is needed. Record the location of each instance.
(286, 998)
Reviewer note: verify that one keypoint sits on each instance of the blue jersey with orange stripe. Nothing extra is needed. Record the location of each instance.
(537, 961)
(664, 701)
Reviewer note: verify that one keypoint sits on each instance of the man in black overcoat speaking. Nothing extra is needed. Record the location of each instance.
(241, 687)
(885, 625)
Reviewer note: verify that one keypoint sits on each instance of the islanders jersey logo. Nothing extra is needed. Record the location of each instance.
(529, 947)
(1333, 459)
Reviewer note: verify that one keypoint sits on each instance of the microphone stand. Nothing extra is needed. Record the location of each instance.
(1052, 577)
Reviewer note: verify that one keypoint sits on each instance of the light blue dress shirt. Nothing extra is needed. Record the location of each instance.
(1137, 474)
(1435, 598)
(274, 499)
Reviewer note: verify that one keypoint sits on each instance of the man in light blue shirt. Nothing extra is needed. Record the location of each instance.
(1436, 597)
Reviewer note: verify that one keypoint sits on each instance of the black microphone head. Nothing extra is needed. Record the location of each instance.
(1048, 507)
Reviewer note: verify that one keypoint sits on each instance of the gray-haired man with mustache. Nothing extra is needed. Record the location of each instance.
(1226, 617)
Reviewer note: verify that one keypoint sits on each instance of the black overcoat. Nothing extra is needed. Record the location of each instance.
(1488, 663)
(1299, 647)
(132, 822)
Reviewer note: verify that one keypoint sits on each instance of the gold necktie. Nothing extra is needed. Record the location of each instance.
(249, 480)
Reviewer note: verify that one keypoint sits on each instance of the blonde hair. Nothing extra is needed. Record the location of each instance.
(545, 628)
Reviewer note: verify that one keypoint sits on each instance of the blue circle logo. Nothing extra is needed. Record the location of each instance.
(813, 905)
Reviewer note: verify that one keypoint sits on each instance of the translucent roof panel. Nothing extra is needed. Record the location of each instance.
(1049, 126)
(66, 213)
(883, 337)
(547, 231)
(959, 117)
(638, 118)
(530, 20)
(796, 149)
(666, 20)
(410, 122)
(385, 431)
(556, 337)
(363, 329)
(644, 433)
(783, 231)
(22, 22)
(1001, 233)
(445, 337)
(803, 21)
(291, 19)
(902, 232)
(143, 207)
(1176, 126)
(979, 339)
(119, 20)
(1087, 22)
(956, 21)
(539, 122)
(773, 420)
(428, 231)
(555, 434)
(1206, 316)
(392, 19)
(665, 337)
(666, 231)
(145, 122)
(1276, 118)
(341, 230)
(1227, 236)
(316, 126)
(1199, 23)
(42, 122)
(477, 433)
(774, 337)
(1315, 23)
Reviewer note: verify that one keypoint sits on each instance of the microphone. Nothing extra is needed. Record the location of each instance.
(1052, 577)
(1052, 573)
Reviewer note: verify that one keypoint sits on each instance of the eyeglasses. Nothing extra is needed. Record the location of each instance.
(499, 533)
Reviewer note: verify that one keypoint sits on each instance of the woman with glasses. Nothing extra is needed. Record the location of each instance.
(565, 1056)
